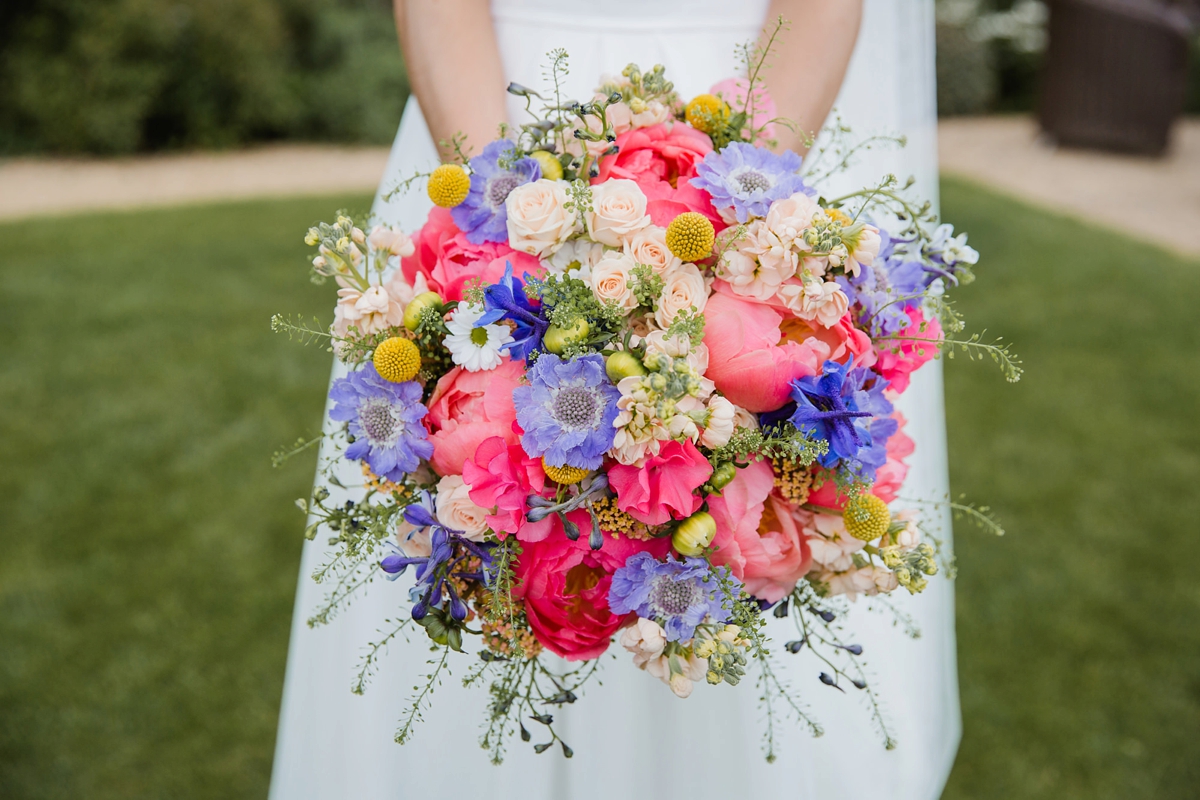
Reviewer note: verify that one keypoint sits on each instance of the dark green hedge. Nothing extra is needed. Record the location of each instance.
(119, 76)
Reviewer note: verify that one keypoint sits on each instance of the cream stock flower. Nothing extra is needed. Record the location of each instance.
(372, 311)
(816, 300)
(456, 510)
(646, 640)
(618, 212)
(611, 279)
(721, 417)
(781, 238)
(538, 221)
(683, 288)
(396, 242)
(649, 246)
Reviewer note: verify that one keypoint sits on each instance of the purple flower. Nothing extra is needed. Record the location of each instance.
(506, 300)
(749, 178)
(384, 419)
(845, 407)
(887, 289)
(678, 595)
(567, 411)
(483, 216)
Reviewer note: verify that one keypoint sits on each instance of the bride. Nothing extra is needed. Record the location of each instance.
(632, 739)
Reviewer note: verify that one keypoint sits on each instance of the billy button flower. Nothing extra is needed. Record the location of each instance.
(866, 517)
(448, 185)
(707, 113)
(565, 475)
(397, 360)
(690, 236)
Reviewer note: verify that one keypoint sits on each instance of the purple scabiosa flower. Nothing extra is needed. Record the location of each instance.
(483, 216)
(845, 407)
(567, 411)
(384, 419)
(678, 595)
(748, 178)
(506, 299)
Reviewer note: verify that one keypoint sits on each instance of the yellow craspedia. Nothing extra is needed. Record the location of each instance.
(690, 236)
(448, 185)
(706, 112)
(551, 167)
(565, 475)
(866, 517)
(837, 215)
(397, 360)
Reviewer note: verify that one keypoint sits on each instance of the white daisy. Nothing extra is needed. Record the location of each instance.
(575, 259)
(475, 347)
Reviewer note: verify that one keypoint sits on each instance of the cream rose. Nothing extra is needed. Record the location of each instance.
(456, 510)
(618, 212)
(683, 288)
(538, 221)
(611, 279)
(649, 246)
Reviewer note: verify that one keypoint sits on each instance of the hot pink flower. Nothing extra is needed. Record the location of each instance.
(888, 478)
(565, 588)
(898, 359)
(733, 92)
(664, 487)
(661, 159)
(747, 358)
(448, 261)
(501, 476)
(468, 407)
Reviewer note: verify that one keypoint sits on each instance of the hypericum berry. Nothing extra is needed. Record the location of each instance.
(565, 475)
(557, 339)
(448, 185)
(623, 364)
(866, 517)
(690, 236)
(397, 360)
(706, 112)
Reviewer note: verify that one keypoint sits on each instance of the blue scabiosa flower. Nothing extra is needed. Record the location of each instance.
(483, 216)
(748, 178)
(384, 419)
(567, 411)
(678, 595)
(885, 290)
(839, 408)
(506, 299)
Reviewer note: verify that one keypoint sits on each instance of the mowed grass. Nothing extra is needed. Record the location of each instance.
(150, 552)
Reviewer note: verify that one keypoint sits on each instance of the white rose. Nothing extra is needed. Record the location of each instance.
(618, 212)
(611, 279)
(683, 288)
(720, 425)
(649, 246)
(744, 419)
(456, 510)
(538, 221)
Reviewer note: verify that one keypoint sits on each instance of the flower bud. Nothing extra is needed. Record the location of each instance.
(551, 168)
(722, 476)
(558, 339)
(694, 534)
(412, 313)
(623, 364)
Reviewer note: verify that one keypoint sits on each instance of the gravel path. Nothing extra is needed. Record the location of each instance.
(1154, 199)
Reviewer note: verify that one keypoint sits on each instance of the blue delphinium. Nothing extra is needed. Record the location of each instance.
(448, 548)
(384, 419)
(845, 407)
(506, 299)
(567, 411)
(679, 595)
(749, 178)
(483, 216)
(887, 289)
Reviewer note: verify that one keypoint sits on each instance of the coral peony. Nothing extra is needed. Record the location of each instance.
(565, 585)
(663, 487)
(898, 359)
(779, 557)
(661, 159)
(468, 407)
(448, 261)
(737, 510)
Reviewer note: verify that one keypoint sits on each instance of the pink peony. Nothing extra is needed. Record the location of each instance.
(661, 159)
(501, 476)
(565, 584)
(733, 92)
(779, 557)
(747, 358)
(468, 407)
(663, 487)
(448, 261)
(737, 510)
(900, 358)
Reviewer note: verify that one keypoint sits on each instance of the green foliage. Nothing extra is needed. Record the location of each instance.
(131, 75)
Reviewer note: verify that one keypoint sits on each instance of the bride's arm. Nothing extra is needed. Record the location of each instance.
(454, 67)
(809, 62)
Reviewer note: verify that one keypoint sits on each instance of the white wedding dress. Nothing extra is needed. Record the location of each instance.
(632, 738)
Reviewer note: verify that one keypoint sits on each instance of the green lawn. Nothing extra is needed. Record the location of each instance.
(150, 551)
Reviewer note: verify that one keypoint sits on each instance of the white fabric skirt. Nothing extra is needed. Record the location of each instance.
(632, 738)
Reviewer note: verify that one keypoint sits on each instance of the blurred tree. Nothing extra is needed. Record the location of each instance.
(116, 76)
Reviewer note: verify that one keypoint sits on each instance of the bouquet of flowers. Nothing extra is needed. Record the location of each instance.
(631, 382)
